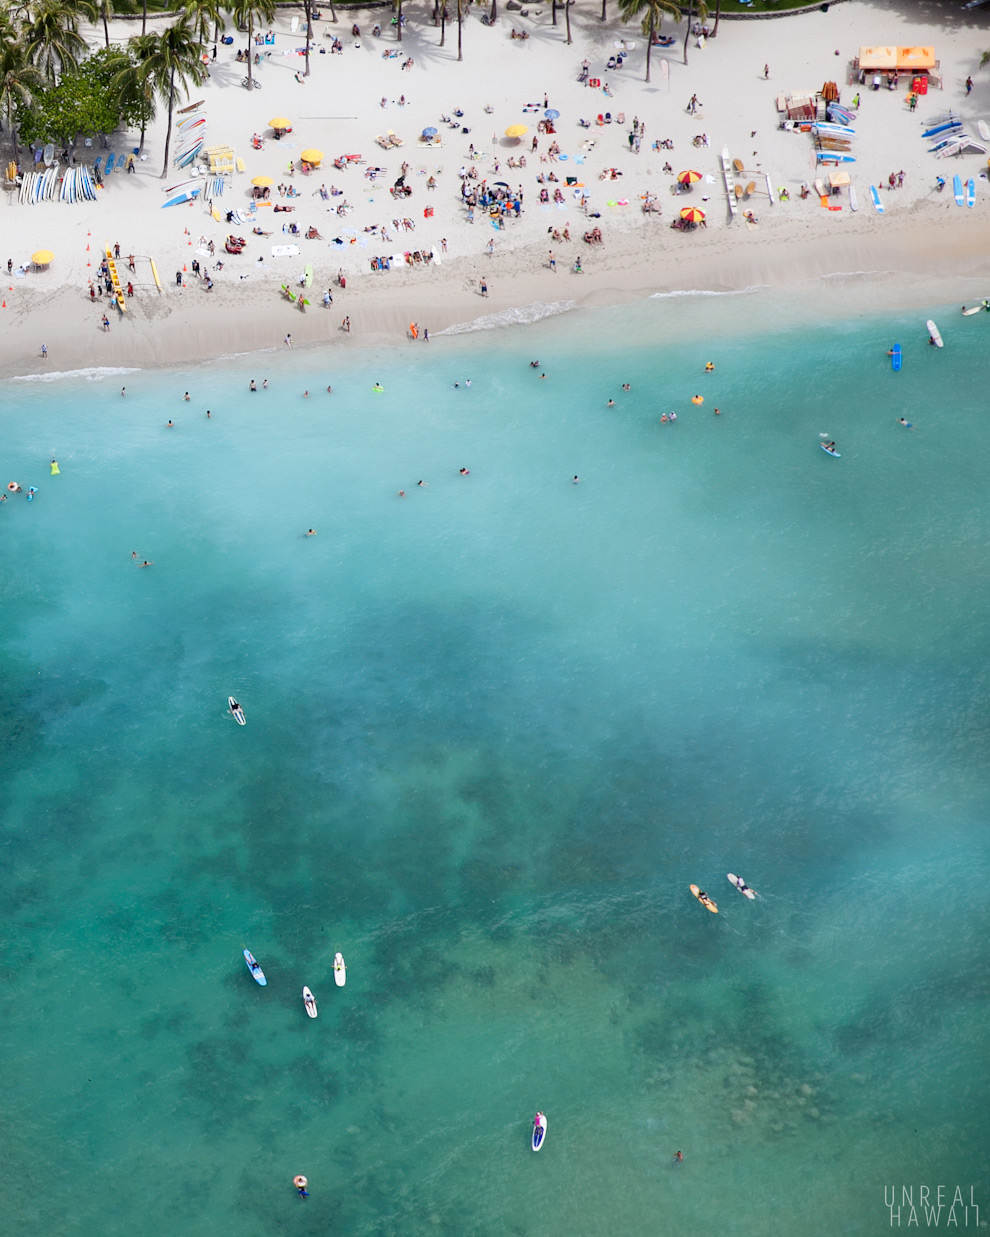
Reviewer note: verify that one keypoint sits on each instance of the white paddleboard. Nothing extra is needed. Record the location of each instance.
(339, 970)
(741, 885)
(933, 331)
(310, 1002)
(539, 1132)
(984, 129)
(973, 309)
(236, 711)
(853, 200)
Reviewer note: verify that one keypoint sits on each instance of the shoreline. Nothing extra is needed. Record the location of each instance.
(201, 329)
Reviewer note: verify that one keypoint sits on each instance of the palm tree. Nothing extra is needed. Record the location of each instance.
(460, 53)
(105, 11)
(702, 10)
(567, 19)
(653, 13)
(133, 80)
(398, 20)
(51, 37)
(308, 14)
(203, 15)
(18, 80)
(245, 13)
(174, 62)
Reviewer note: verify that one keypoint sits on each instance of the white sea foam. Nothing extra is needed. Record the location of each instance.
(756, 287)
(93, 374)
(520, 316)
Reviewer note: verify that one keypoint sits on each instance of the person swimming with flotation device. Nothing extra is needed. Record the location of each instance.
(55, 469)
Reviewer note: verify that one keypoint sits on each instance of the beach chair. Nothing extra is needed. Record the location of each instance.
(392, 139)
(382, 142)
(240, 164)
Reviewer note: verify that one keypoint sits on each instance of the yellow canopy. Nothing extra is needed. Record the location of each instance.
(42, 257)
(516, 130)
(263, 181)
(838, 179)
(312, 156)
(916, 58)
(882, 58)
(280, 122)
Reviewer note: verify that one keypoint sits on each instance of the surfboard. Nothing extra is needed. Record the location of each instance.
(255, 969)
(180, 198)
(108, 166)
(831, 451)
(49, 154)
(236, 711)
(971, 192)
(704, 899)
(933, 332)
(539, 1132)
(875, 195)
(957, 189)
(973, 309)
(895, 357)
(741, 885)
(853, 200)
(308, 273)
(310, 1002)
(984, 129)
(339, 970)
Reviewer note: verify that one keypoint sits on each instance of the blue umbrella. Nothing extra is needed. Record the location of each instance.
(551, 113)
(429, 133)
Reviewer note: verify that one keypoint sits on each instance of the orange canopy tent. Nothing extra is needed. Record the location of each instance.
(889, 59)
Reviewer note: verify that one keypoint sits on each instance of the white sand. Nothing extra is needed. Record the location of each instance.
(338, 110)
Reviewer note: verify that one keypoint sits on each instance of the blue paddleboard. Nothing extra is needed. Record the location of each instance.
(895, 357)
(254, 968)
(971, 192)
(875, 195)
(830, 451)
(957, 189)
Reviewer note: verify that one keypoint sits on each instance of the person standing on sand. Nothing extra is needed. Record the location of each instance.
(693, 104)
(106, 323)
(553, 262)
(484, 287)
(44, 352)
(288, 340)
(766, 72)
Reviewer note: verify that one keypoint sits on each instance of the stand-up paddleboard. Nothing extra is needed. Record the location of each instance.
(308, 273)
(254, 968)
(933, 333)
(704, 899)
(877, 204)
(895, 357)
(971, 192)
(741, 885)
(540, 1124)
(49, 154)
(830, 451)
(339, 970)
(310, 1002)
(108, 166)
(853, 199)
(236, 711)
(957, 189)
(973, 309)
(180, 198)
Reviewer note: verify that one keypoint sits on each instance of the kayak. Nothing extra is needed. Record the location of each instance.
(310, 1002)
(704, 899)
(254, 968)
(236, 711)
(539, 1130)
(339, 970)
(741, 885)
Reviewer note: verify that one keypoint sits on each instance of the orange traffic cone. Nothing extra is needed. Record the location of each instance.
(183, 268)
(4, 305)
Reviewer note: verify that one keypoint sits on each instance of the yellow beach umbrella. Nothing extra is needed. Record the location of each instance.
(43, 257)
(263, 181)
(312, 156)
(692, 214)
(688, 178)
(516, 130)
(280, 122)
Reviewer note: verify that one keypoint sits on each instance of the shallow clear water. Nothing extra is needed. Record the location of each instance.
(494, 731)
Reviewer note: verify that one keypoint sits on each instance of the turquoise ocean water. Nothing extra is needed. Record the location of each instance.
(494, 731)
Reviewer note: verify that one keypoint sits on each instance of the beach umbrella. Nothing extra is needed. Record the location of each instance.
(692, 214)
(551, 113)
(263, 181)
(315, 157)
(429, 132)
(44, 257)
(688, 178)
(280, 122)
(516, 130)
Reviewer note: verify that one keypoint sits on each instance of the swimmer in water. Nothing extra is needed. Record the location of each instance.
(610, 404)
(534, 365)
(170, 425)
(542, 376)
(253, 386)
(55, 468)
(717, 413)
(678, 1158)
(378, 388)
(123, 390)
(310, 532)
(575, 479)
(329, 390)
(467, 382)
(209, 415)
(906, 423)
(423, 484)
(401, 493)
(305, 395)
(146, 563)
(626, 386)
(709, 367)
(465, 472)
(185, 398)
(264, 385)
(134, 555)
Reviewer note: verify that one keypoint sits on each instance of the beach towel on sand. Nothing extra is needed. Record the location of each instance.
(284, 251)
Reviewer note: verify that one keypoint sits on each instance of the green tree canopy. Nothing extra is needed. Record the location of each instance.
(86, 102)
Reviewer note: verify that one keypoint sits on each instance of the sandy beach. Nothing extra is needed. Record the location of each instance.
(500, 82)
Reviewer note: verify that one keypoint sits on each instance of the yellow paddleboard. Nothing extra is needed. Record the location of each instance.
(704, 899)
